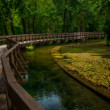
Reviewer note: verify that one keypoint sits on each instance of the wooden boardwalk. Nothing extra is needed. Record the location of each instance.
(3, 101)
(16, 64)
(54, 37)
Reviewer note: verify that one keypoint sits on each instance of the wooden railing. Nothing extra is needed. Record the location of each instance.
(53, 37)
(14, 65)
(13, 69)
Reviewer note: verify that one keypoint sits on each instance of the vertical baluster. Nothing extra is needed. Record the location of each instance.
(43, 37)
(33, 38)
(37, 38)
(46, 37)
(57, 36)
(25, 38)
(29, 38)
(49, 37)
(54, 37)
(16, 38)
(65, 36)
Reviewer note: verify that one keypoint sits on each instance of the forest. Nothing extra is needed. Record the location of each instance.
(54, 16)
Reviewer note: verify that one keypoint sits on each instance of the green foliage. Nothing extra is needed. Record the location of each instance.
(107, 26)
(107, 40)
(107, 30)
(40, 16)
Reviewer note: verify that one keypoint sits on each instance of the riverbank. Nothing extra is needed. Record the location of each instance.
(74, 64)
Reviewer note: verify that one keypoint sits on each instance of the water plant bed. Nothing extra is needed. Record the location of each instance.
(89, 61)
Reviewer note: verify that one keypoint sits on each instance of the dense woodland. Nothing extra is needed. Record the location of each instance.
(43, 16)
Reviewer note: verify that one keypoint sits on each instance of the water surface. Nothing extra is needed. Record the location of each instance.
(54, 89)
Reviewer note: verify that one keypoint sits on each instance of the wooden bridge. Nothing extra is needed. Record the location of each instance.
(14, 64)
(26, 39)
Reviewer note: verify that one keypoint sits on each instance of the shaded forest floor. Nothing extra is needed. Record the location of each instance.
(90, 59)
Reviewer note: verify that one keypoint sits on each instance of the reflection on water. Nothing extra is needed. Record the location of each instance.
(26, 77)
(54, 89)
(50, 102)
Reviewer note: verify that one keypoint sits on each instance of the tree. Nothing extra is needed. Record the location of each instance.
(42, 16)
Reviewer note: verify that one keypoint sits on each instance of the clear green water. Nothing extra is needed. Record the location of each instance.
(54, 89)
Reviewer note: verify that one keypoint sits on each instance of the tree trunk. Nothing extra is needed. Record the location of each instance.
(5, 29)
(64, 18)
(33, 25)
(24, 26)
(29, 27)
(54, 27)
(34, 21)
(70, 22)
(82, 28)
(12, 27)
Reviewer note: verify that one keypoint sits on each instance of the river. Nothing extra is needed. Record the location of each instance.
(53, 88)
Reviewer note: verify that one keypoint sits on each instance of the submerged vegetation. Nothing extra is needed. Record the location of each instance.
(91, 61)
(50, 43)
(30, 47)
(58, 42)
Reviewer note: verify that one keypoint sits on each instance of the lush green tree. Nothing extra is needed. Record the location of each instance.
(42, 16)
(105, 8)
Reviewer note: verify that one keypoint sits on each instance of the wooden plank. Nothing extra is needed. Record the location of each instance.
(23, 100)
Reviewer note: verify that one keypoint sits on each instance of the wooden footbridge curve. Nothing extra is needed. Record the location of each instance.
(14, 64)
(26, 39)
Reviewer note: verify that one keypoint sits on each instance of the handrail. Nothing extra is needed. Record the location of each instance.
(79, 35)
(11, 49)
(20, 99)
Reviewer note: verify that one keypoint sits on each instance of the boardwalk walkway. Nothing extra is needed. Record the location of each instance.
(26, 100)
(3, 102)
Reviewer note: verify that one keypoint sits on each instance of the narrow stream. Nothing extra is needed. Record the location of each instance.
(54, 89)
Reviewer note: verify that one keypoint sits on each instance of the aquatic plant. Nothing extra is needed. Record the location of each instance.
(58, 42)
(65, 41)
(50, 43)
(91, 62)
(30, 47)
